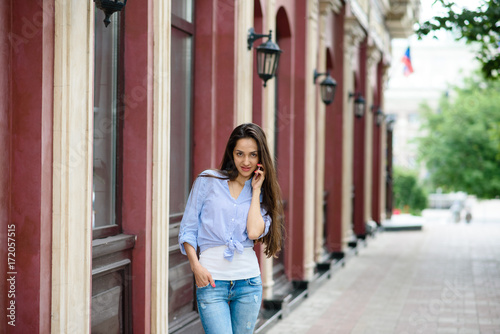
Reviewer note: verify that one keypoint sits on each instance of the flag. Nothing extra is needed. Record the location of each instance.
(406, 60)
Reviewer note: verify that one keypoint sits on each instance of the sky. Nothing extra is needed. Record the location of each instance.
(428, 10)
(426, 4)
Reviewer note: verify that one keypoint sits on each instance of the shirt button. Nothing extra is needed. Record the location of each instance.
(232, 219)
(234, 204)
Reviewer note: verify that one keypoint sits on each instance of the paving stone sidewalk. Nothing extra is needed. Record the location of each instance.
(443, 279)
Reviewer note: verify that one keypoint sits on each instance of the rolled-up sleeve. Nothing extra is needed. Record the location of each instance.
(267, 221)
(190, 220)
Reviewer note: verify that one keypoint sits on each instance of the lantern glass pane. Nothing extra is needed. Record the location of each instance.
(327, 93)
(266, 63)
(330, 92)
(360, 109)
(260, 62)
(276, 60)
(380, 118)
(269, 64)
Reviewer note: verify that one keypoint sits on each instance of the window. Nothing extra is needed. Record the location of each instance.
(104, 220)
(181, 106)
(413, 118)
(183, 9)
(111, 257)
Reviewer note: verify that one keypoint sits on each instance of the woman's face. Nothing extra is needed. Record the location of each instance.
(246, 157)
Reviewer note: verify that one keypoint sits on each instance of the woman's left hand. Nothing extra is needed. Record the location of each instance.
(258, 178)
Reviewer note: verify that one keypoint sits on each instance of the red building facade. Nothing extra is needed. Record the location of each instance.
(104, 129)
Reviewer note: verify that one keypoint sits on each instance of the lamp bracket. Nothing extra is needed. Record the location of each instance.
(252, 37)
(317, 75)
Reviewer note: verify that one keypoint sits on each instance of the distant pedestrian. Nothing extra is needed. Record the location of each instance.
(228, 211)
(468, 215)
(455, 211)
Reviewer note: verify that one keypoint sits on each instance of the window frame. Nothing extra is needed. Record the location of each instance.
(186, 318)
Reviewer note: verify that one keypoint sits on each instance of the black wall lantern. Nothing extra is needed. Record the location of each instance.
(359, 104)
(109, 7)
(327, 87)
(268, 55)
(379, 116)
(390, 120)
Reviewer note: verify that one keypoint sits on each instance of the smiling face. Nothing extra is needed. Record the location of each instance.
(246, 157)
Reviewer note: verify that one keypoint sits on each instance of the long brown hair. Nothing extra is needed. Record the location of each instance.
(271, 193)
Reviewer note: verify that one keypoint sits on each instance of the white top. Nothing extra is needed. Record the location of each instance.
(244, 265)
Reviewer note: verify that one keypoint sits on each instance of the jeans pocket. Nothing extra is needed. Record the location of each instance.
(254, 281)
(202, 287)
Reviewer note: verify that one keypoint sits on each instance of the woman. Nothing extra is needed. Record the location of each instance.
(228, 210)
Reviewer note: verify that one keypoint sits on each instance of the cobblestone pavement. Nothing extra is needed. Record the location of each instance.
(442, 279)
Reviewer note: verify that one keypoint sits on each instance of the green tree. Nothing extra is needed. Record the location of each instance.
(480, 26)
(409, 195)
(461, 145)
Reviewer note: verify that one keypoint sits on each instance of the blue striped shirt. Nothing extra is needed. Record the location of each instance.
(214, 218)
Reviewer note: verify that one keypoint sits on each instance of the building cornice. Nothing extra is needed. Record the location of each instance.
(354, 34)
(359, 13)
(330, 5)
(401, 16)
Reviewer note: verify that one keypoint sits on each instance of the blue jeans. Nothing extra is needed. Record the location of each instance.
(232, 307)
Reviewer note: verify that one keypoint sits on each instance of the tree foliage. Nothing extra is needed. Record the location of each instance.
(461, 145)
(480, 26)
(409, 195)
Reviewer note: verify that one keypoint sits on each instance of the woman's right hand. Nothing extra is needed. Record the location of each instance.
(202, 277)
(201, 274)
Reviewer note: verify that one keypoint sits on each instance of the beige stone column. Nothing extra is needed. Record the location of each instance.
(354, 34)
(373, 57)
(268, 98)
(244, 62)
(72, 166)
(368, 166)
(310, 137)
(324, 9)
(161, 171)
